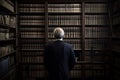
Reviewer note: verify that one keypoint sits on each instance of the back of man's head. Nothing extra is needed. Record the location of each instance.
(58, 33)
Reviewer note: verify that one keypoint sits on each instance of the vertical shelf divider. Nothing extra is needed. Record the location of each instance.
(83, 38)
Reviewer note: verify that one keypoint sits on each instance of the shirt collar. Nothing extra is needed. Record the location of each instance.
(59, 39)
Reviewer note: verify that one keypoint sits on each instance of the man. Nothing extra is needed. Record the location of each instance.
(59, 57)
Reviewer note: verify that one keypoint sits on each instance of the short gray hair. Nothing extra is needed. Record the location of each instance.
(58, 33)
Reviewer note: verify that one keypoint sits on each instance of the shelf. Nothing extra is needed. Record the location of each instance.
(31, 63)
(97, 38)
(32, 26)
(88, 69)
(24, 55)
(77, 49)
(32, 49)
(32, 38)
(67, 38)
(7, 40)
(96, 13)
(94, 49)
(24, 13)
(88, 62)
(95, 1)
(64, 25)
(6, 6)
(32, 31)
(11, 53)
(2, 42)
(65, 13)
(6, 26)
(97, 25)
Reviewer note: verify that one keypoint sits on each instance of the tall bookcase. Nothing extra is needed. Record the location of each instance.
(8, 64)
(96, 37)
(115, 18)
(86, 27)
(32, 39)
(67, 15)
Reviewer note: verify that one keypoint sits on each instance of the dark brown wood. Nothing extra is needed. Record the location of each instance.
(46, 22)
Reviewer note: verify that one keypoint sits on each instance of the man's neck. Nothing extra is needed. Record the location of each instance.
(59, 39)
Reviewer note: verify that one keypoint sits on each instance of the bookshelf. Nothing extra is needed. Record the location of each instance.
(86, 27)
(115, 17)
(96, 37)
(68, 17)
(32, 39)
(8, 63)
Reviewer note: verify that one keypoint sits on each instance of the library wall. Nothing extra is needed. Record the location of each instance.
(86, 27)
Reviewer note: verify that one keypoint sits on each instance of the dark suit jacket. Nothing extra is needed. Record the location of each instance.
(59, 59)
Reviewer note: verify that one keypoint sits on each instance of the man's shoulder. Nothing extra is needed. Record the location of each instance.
(49, 44)
(67, 44)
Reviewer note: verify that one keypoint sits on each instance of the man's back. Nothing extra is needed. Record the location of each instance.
(59, 59)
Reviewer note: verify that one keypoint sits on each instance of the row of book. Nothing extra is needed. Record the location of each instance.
(94, 58)
(32, 59)
(66, 29)
(96, 32)
(73, 74)
(8, 20)
(70, 5)
(94, 53)
(32, 10)
(32, 5)
(91, 56)
(32, 29)
(32, 41)
(94, 73)
(68, 20)
(32, 46)
(42, 74)
(6, 36)
(34, 53)
(96, 8)
(32, 35)
(67, 35)
(4, 50)
(95, 44)
(64, 20)
(33, 17)
(64, 8)
(42, 67)
(32, 22)
(93, 66)
(96, 20)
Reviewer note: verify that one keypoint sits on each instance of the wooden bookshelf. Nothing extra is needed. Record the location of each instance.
(7, 40)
